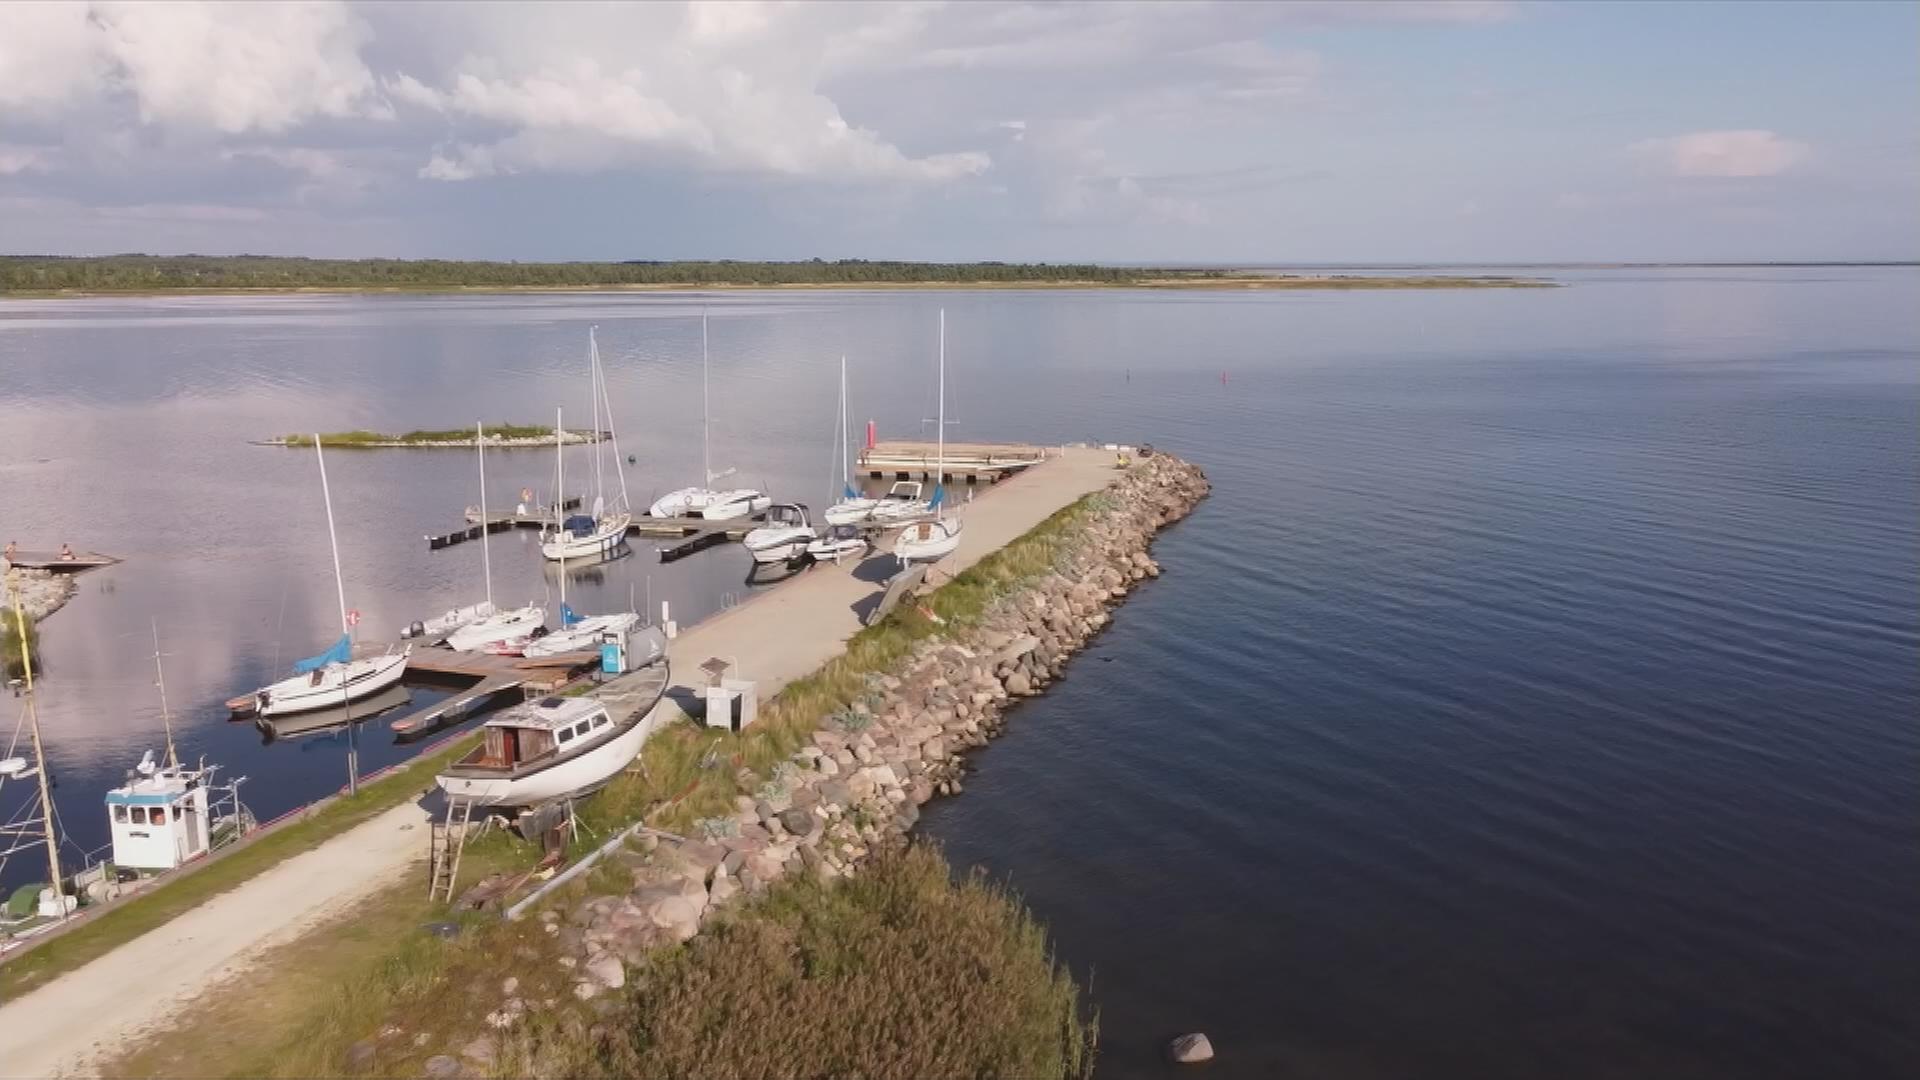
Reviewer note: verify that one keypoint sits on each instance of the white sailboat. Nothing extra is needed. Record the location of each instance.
(581, 536)
(931, 541)
(491, 625)
(852, 507)
(705, 501)
(334, 677)
(783, 538)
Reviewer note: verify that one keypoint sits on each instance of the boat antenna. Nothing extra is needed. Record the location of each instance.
(39, 754)
(486, 551)
(706, 410)
(333, 539)
(160, 680)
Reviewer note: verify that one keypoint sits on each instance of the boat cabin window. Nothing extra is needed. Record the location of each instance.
(599, 722)
(581, 727)
(120, 815)
(566, 735)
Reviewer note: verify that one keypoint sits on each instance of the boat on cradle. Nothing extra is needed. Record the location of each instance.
(438, 627)
(706, 501)
(554, 748)
(783, 538)
(333, 677)
(586, 536)
(931, 541)
(840, 542)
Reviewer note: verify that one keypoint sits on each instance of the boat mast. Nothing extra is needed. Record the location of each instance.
(593, 379)
(486, 552)
(326, 493)
(39, 755)
(940, 436)
(559, 516)
(846, 474)
(160, 680)
(706, 414)
(606, 407)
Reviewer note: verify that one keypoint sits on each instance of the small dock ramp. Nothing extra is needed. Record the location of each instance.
(899, 587)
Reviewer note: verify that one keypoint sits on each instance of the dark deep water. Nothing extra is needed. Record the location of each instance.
(1536, 695)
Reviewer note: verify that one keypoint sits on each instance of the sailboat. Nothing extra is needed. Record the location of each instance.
(333, 677)
(852, 507)
(581, 536)
(931, 541)
(575, 633)
(705, 501)
(491, 626)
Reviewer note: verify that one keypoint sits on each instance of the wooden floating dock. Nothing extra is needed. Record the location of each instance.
(499, 521)
(51, 560)
(971, 462)
(690, 534)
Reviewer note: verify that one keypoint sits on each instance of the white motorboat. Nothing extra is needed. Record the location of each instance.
(706, 501)
(554, 748)
(783, 538)
(931, 541)
(440, 626)
(582, 536)
(498, 627)
(840, 542)
(584, 634)
(333, 677)
(902, 505)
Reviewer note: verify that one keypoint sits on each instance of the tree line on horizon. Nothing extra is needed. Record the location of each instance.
(51, 273)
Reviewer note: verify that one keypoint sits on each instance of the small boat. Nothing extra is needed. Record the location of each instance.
(840, 542)
(579, 635)
(171, 814)
(554, 748)
(931, 541)
(783, 538)
(852, 507)
(582, 536)
(707, 501)
(440, 626)
(498, 627)
(333, 677)
(901, 505)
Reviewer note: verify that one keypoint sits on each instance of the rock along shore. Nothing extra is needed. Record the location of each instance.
(860, 783)
(42, 592)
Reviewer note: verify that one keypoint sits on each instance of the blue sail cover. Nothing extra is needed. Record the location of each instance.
(848, 492)
(579, 525)
(567, 615)
(939, 497)
(341, 652)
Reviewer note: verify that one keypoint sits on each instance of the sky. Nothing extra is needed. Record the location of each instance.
(1235, 132)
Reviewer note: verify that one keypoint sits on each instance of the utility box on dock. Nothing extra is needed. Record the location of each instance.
(733, 704)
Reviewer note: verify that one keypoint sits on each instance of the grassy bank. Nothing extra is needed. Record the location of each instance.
(461, 436)
(14, 649)
(188, 889)
(898, 972)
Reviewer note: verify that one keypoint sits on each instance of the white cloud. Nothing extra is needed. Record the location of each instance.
(1722, 153)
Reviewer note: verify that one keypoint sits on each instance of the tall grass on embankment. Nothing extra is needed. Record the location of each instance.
(899, 971)
(13, 648)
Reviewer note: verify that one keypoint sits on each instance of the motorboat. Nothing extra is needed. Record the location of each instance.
(902, 505)
(583, 536)
(783, 538)
(579, 635)
(555, 748)
(840, 542)
(931, 541)
(498, 627)
(438, 627)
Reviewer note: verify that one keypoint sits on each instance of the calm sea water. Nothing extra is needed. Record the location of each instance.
(1536, 696)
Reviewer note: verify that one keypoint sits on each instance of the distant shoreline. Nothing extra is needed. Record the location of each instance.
(1225, 283)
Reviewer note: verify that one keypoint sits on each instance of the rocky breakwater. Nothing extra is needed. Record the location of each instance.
(42, 592)
(859, 783)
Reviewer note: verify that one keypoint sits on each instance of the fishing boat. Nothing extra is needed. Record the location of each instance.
(840, 542)
(783, 538)
(168, 814)
(580, 535)
(931, 541)
(333, 677)
(557, 748)
(705, 501)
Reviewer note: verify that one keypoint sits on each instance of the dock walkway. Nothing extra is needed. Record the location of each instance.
(778, 636)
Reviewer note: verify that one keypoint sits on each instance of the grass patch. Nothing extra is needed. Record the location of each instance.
(363, 438)
(897, 972)
(187, 891)
(14, 649)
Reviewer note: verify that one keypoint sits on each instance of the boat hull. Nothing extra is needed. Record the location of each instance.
(339, 684)
(585, 772)
(496, 628)
(836, 550)
(729, 505)
(441, 626)
(608, 534)
(584, 634)
(929, 541)
(851, 511)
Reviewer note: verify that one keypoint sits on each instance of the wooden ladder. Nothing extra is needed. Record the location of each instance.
(445, 844)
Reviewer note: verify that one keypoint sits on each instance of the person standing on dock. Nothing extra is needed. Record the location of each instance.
(12, 546)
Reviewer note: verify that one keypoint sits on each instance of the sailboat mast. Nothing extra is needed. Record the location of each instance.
(706, 411)
(606, 409)
(559, 515)
(486, 552)
(940, 455)
(599, 467)
(39, 755)
(160, 680)
(845, 467)
(333, 539)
